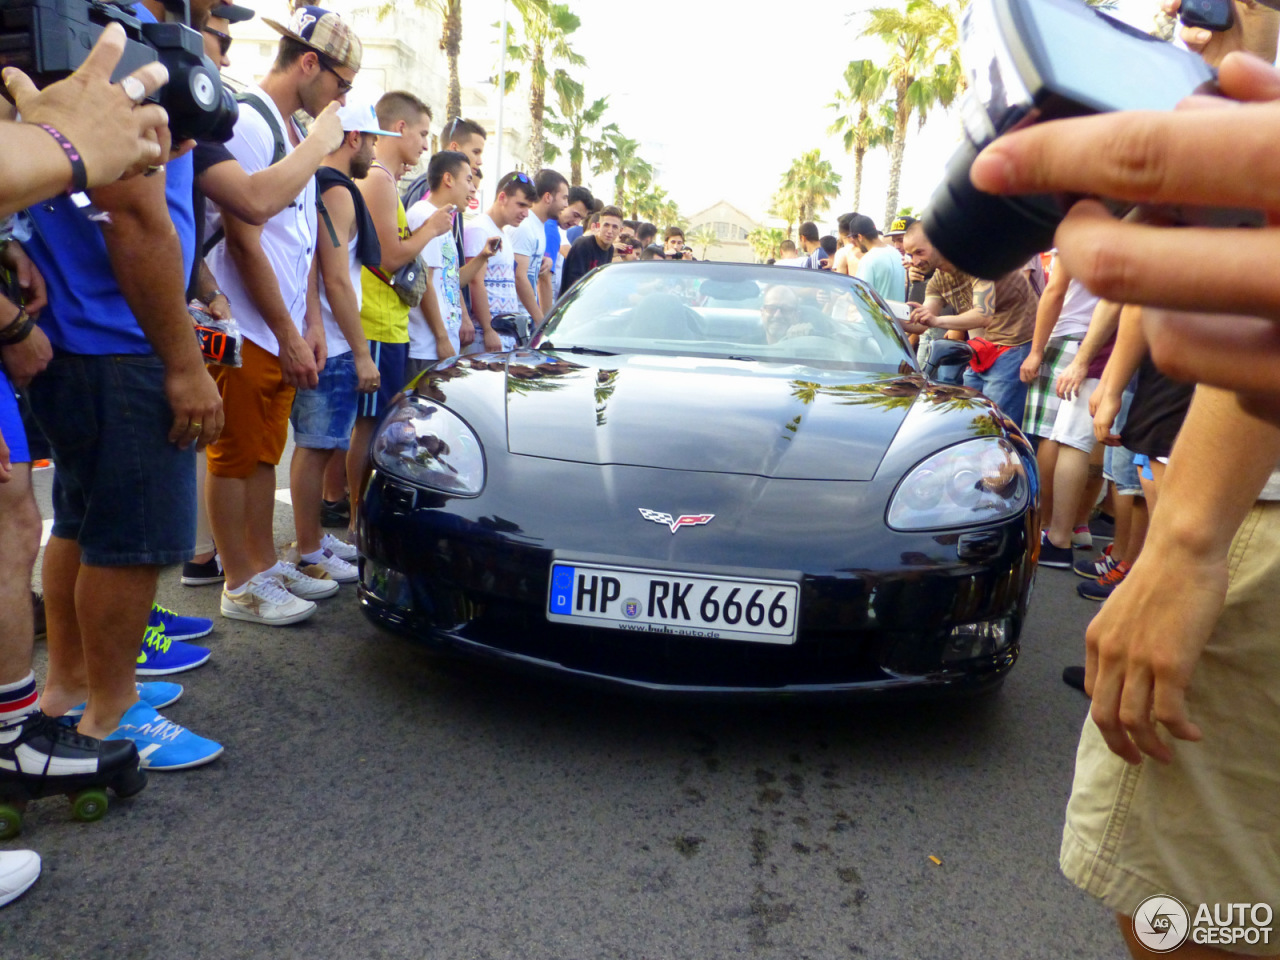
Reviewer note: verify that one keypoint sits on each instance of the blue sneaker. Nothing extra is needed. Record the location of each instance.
(163, 744)
(178, 627)
(160, 655)
(156, 694)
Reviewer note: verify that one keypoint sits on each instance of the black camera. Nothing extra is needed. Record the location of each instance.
(49, 39)
(1207, 14)
(1028, 61)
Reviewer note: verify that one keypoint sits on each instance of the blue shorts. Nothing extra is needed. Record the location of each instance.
(11, 423)
(322, 418)
(390, 359)
(121, 490)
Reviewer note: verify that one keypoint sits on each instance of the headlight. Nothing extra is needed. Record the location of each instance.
(973, 482)
(426, 444)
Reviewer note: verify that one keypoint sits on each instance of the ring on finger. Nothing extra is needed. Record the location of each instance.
(133, 89)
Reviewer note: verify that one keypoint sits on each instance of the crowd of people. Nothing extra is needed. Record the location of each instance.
(341, 289)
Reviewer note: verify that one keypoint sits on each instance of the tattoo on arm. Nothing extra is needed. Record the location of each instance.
(984, 298)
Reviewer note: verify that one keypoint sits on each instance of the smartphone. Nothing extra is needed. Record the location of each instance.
(1215, 15)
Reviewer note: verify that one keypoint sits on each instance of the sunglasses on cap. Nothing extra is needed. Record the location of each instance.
(224, 40)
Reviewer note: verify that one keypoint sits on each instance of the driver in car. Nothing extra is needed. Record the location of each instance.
(780, 313)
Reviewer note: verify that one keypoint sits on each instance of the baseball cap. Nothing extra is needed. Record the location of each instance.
(325, 32)
(899, 226)
(360, 117)
(232, 13)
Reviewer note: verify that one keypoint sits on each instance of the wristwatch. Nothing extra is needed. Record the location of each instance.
(214, 295)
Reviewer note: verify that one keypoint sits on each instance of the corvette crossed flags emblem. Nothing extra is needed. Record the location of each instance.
(675, 523)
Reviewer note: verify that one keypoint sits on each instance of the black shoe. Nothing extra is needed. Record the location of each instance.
(199, 574)
(37, 614)
(335, 513)
(1073, 677)
(1051, 556)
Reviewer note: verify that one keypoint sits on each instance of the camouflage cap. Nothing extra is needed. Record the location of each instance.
(325, 32)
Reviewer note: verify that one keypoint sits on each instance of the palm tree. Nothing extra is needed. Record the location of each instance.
(450, 40)
(575, 131)
(765, 241)
(547, 27)
(865, 122)
(702, 238)
(624, 160)
(785, 207)
(813, 183)
(923, 68)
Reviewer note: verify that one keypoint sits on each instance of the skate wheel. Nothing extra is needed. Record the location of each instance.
(89, 805)
(10, 821)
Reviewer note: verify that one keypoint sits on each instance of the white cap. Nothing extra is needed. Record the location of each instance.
(358, 116)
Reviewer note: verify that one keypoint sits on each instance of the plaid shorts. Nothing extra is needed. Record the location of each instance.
(1042, 402)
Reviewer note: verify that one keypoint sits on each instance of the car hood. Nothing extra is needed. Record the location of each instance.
(718, 416)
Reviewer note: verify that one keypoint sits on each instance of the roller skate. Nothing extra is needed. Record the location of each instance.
(40, 757)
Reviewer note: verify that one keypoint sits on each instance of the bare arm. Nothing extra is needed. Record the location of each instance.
(524, 289)
(979, 315)
(380, 197)
(1050, 308)
(146, 258)
(336, 275)
(545, 299)
(297, 360)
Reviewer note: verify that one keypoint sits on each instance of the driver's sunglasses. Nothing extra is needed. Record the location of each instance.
(344, 86)
(224, 40)
(777, 309)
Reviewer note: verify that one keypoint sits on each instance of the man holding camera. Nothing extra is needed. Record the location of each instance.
(269, 272)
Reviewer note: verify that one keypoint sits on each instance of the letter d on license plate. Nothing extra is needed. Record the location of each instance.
(673, 603)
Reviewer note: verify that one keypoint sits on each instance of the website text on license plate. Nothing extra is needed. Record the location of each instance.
(669, 602)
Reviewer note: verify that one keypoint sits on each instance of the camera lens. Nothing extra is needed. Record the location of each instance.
(982, 234)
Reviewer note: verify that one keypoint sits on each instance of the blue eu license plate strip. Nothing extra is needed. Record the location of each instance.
(673, 603)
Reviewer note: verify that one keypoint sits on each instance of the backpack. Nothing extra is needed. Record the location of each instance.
(278, 153)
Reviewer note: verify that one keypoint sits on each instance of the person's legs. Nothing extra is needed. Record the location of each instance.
(260, 512)
(1140, 518)
(19, 544)
(228, 502)
(1068, 483)
(1046, 461)
(67, 680)
(306, 485)
(335, 476)
(322, 422)
(204, 533)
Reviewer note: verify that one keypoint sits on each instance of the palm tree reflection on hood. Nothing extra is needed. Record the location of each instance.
(901, 393)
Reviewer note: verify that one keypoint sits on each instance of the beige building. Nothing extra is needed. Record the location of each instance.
(401, 52)
(731, 227)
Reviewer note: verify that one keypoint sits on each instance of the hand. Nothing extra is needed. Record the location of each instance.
(319, 346)
(923, 316)
(24, 360)
(327, 128)
(368, 378)
(466, 334)
(220, 307)
(1030, 368)
(30, 281)
(1069, 380)
(197, 408)
(1248, 32)
(545, 268)
(914, 273)
(439, 223)
(298, 363)
(111, 132)
(492, 342)
(444, 347)
(1142, 647)
(491, 246)
(1105, 407)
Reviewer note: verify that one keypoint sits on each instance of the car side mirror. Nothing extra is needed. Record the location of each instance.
(943, 358)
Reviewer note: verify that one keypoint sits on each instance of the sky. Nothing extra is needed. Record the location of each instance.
(722, 99)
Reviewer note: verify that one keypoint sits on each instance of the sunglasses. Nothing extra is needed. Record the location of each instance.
(344, 86)
(224, 40)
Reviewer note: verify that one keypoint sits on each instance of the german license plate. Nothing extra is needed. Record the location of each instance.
(665, 602)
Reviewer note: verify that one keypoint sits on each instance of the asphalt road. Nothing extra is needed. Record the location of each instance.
(375, 802)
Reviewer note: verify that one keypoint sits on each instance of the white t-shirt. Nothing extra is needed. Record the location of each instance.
(1077, 312)
(288, 239)
(337, 342)
(529, 240)
(499, 272)
(441, 257)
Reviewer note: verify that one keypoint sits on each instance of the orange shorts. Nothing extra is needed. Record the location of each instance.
(256, 403)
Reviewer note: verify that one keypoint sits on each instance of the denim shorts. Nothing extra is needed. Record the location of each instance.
(15, 436)
(322, 418)
(121, 490)
(1119, 468)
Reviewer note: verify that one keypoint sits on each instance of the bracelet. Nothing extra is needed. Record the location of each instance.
(18, 330)
(214, 295)
(79, 175)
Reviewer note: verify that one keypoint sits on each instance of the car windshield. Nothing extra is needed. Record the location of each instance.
(737, 311)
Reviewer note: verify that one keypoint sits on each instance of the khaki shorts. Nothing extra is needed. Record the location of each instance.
(255, 403)
(1206, 827)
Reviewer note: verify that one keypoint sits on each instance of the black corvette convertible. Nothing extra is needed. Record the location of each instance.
(711, 478)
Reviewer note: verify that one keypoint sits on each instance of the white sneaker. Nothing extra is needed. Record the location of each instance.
(265, 600)
(19, 869)
(339, 548)
(315, 585)
(330, 566)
